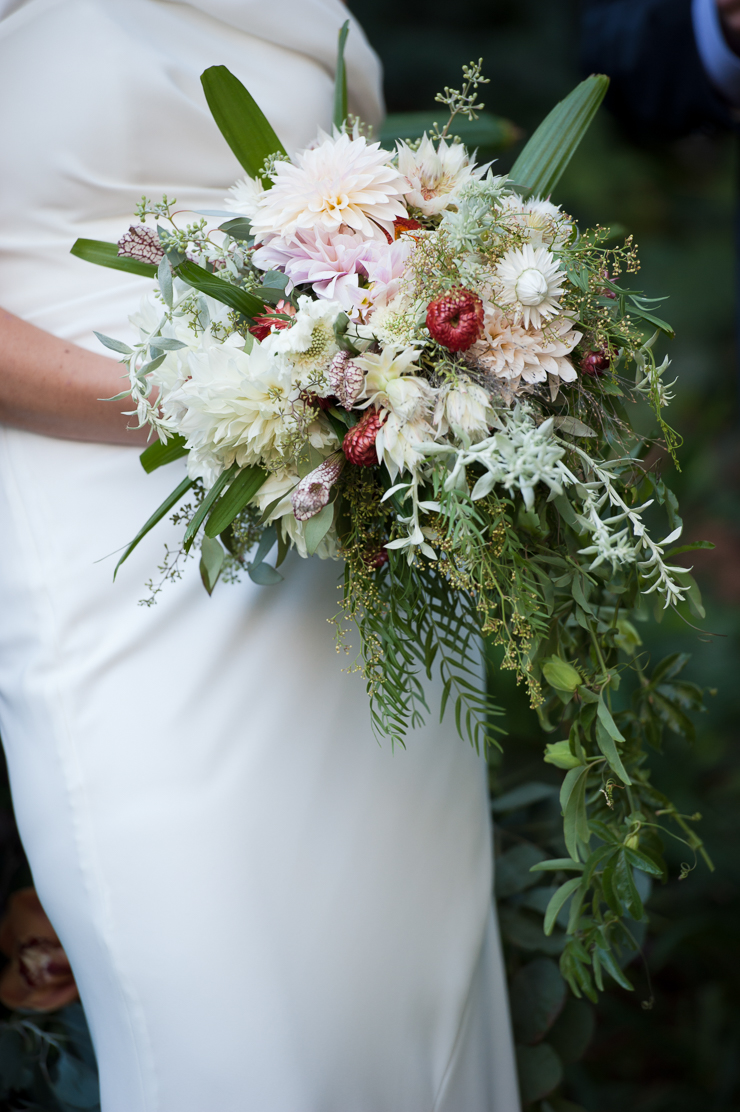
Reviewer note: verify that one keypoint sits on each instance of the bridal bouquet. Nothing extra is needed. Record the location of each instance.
(401, 360)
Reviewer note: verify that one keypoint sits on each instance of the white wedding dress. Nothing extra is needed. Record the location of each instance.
(265, 909)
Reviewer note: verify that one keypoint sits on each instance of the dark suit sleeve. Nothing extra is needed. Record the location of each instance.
(659, 89)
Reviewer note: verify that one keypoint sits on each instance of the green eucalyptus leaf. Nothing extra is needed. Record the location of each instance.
(264, 575)
(523, 796)
(514, 870)
(538, 993)
(540, 1071)
(540, 165)
(212, 558)
(558, 753)
(317, 527)
(241, 121)
(558, 900)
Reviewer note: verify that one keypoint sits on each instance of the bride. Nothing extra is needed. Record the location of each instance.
(265, 910)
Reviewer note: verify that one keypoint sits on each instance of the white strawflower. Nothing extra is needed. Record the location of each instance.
(529, 281)
(465, 409)
(541, 221)
(343, 181)
(514, 353)
(237, 407)
(244, 197)
(436, 175)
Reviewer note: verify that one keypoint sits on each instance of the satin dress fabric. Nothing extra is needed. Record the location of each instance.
(265, 909)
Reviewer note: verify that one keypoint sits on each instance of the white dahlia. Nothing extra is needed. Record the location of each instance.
(343, 181)
(514, 353)
(529, 281)
(436, 175)
(244, 196)
(236, 407)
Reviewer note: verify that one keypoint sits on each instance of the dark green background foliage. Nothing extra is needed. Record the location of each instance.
(673, 1044)
(682, 1053)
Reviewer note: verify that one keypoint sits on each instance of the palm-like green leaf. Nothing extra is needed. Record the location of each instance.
(540, 165)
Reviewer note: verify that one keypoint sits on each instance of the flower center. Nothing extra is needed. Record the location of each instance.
(337, 203)
(531, 287)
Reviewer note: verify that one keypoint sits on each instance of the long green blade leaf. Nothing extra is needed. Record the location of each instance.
(234, 499)
(170, 501)
(340, 79)
(158, 454)
(240, 120)
(240, 300)
(204, 509)
(540, 165)
(101, 253)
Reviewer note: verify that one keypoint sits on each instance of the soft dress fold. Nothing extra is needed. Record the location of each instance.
(264, 908)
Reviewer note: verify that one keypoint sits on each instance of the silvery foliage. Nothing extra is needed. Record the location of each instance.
(522, 455)
(649, 376)
(476, 217)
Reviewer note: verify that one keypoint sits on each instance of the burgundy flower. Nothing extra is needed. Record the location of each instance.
(359, 442)
(596, 363)
(455, 320)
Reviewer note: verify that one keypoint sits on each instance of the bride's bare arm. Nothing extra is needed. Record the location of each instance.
(51, 386)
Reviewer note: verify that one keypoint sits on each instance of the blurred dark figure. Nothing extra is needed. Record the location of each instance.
(674, 64)
(674, 67)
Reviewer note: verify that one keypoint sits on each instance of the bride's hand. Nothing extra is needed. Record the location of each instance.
(51, 386)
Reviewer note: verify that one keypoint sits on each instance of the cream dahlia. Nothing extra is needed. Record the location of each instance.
(342, 181)
(529, 281)
(236, 407)
(514, 353)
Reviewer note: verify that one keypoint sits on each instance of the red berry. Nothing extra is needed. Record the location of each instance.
(359, 442)
(596, 363)
(377, 559)
(455, 320)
